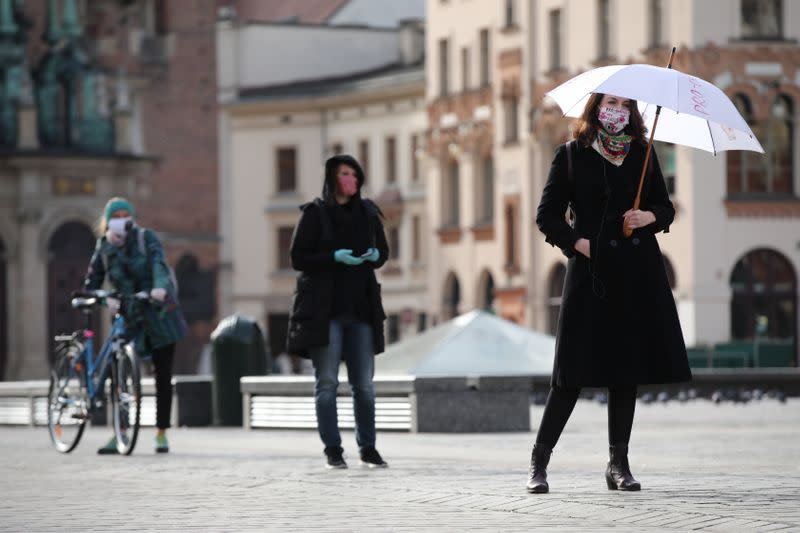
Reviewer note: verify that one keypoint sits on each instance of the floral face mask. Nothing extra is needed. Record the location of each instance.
(613, 119)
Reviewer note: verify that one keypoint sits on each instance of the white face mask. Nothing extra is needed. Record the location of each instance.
(613, 119)
(118, 226)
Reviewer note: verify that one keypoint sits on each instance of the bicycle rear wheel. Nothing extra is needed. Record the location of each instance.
(126, 399)
(67, 399)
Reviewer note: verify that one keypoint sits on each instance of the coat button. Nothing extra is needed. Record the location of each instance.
(635, 241)
(613, 243)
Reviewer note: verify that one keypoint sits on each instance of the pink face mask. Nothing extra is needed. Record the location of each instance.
(348, 185)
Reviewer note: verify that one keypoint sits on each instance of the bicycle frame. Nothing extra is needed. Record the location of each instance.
(95, 380)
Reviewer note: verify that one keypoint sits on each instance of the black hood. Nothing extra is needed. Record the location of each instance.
(329, 187)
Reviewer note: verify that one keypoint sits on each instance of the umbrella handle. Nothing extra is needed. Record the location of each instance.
(626, 230)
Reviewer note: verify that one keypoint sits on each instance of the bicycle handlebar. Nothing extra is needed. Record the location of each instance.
(103, 294)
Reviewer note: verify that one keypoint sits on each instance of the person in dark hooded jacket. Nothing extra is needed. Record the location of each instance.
(337, 314)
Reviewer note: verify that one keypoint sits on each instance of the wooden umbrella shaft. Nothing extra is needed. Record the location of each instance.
(626, 230)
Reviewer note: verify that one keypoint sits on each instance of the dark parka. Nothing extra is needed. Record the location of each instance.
(312, 251)
(129, 270)
(618, 323)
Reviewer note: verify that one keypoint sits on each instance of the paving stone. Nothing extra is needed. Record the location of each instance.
(702, 467)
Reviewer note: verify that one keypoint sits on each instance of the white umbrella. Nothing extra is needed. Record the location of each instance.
(696, 113)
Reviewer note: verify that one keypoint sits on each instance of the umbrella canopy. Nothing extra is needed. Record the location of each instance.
(475, 343)
(695, 112)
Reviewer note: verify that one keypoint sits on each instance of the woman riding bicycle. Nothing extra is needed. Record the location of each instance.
(133, 260)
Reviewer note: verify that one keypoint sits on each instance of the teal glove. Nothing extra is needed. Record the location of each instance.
(346, 257)
(372, 255)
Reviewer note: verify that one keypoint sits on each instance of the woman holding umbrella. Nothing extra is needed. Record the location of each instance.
(618, 326)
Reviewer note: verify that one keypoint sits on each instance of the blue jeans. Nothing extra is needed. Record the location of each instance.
(353, 340)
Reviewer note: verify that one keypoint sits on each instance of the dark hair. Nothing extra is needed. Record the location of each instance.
(332, 167)
(585, 129)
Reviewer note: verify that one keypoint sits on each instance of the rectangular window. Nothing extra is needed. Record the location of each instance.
(464, 69)
(444, 67)
(555, 39)
(452, 197)
(487, 190)
(422, 322)
(485, 72)
(510, 18)
(666, 159)
(511, 237)
(284, 245)
(655, 23)
(363, 157)
(394, 243)
(391, 160)
(416, 242)
(162, 17)
(603, 30)
(414, 158)
(762, 19)
(287, 169)
(511, 112)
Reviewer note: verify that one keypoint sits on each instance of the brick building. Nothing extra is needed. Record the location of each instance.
(139, 80)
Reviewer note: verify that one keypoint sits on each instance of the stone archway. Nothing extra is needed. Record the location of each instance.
(486, 291)
(69, 251)
(764, 284)
(451, 297)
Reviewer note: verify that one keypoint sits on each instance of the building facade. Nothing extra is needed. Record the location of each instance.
(358, 91)
(732, 254)
(115, 98)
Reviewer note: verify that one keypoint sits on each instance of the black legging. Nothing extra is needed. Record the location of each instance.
(162, 361)
(560, 402)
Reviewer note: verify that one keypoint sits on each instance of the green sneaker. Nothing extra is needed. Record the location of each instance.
(110, 448)
(162, 446)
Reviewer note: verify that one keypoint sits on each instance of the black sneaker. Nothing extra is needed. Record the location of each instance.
(334, 457)
(372, 459)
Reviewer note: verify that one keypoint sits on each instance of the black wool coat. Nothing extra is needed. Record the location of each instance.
(312, 254)
(618, 324)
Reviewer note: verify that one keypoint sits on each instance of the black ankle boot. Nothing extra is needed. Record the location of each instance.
(618, 473)
(537, 477)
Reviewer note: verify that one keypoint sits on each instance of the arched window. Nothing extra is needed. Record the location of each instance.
(763, 284)
(69, 252)
(751, 173)
(486, 291)
(451, 297)
(746, 170)
(555, 289)
(780, 139)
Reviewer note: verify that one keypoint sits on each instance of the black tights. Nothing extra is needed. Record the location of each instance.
(560, 402)
(162, 361)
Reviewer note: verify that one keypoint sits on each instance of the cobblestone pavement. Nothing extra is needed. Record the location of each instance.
(702, 467)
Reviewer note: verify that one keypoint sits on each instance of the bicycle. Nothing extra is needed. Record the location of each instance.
(77, 379)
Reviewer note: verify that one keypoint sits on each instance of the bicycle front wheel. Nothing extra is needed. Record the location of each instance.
(126, 399)
(67, 399)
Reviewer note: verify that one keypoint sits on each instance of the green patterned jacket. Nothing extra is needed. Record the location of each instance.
(130, 271)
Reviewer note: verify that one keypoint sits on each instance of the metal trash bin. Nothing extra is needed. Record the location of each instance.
(238, 349)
